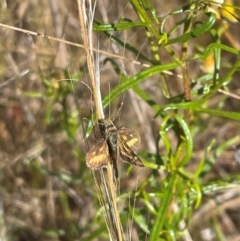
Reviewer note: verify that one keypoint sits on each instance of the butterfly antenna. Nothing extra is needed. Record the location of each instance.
(119, 110)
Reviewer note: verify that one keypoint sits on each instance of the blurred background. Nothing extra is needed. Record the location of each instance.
(46, 190)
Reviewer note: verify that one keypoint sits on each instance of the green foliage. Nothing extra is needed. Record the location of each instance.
(179, 187)
(180, 179)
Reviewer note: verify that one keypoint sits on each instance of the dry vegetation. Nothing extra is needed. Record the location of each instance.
(47, 192)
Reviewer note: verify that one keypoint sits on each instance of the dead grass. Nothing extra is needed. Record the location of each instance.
(46, 189)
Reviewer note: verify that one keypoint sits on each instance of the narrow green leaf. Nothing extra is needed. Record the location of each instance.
(118, 26)
(130, 82)
(188, 140)
(163, 209)
(205, 27)
(225, 114)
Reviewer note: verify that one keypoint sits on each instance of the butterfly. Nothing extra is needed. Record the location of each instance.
(115, 144)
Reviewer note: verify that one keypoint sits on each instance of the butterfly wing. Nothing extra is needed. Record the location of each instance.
(98, 156)
(127, 155)
(132, 138)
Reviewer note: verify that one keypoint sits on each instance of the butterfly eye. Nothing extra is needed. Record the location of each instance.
(104, 128)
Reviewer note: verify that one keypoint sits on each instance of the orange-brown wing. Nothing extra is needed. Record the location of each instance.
(127, 155)
(98, 156)
(132, 138)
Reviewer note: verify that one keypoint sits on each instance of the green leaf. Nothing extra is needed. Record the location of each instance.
(128, 83)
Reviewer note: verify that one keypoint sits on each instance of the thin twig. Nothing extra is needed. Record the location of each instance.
(112, 216)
